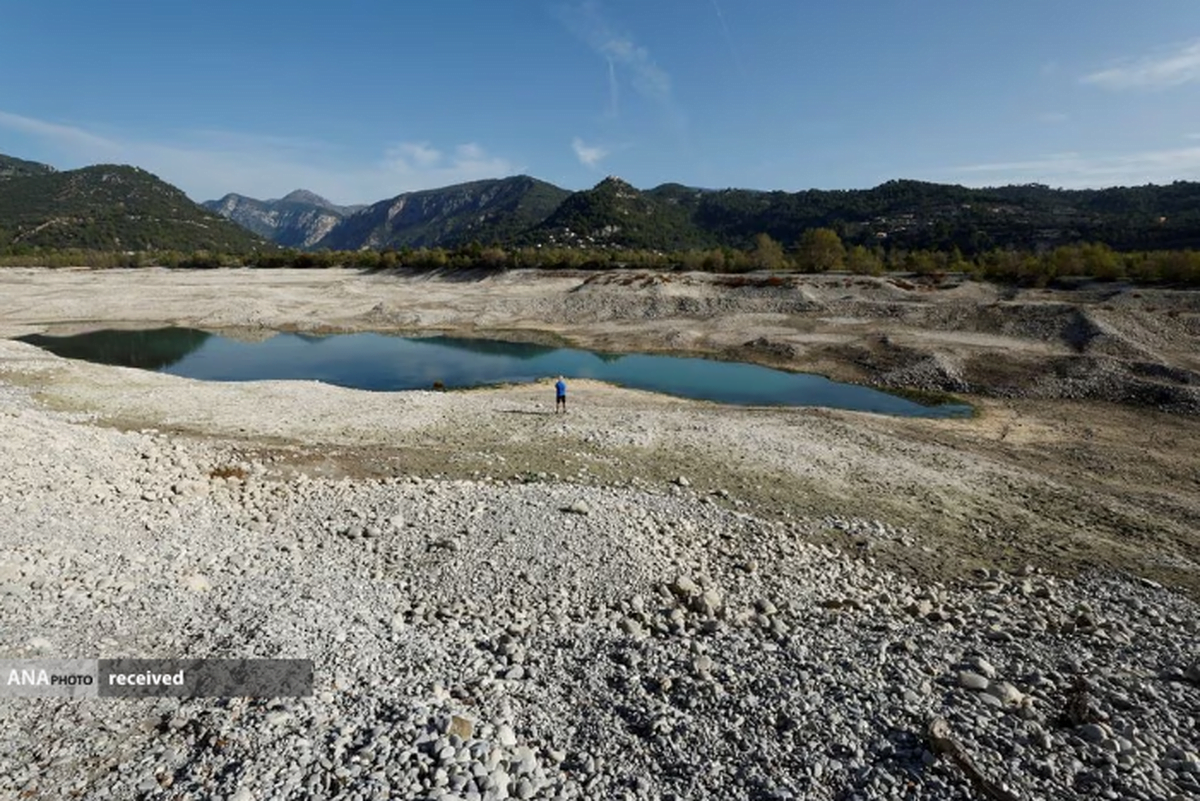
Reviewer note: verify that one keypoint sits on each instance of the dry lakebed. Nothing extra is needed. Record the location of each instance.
(648, 597)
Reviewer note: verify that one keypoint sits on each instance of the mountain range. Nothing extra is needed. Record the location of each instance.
(111, 207)
(523, 211)
(300, 219)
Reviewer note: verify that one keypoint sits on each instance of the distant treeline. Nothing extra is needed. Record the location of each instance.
(819, 250)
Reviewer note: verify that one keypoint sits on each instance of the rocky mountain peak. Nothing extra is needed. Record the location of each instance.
(309, 198)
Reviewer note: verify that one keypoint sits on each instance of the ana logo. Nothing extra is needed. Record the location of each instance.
(28, 678)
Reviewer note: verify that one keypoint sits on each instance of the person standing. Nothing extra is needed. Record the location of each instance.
(560, 395)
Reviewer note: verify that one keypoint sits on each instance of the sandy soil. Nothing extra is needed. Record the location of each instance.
(1084, 455)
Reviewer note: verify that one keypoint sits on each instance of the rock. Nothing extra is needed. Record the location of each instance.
(709, 603)
(684, 587)
(983, 667)
(578, 507)
(1005, 692)
(524, 761)
(990, 700)
(461, 726)
(197, 583)
(765, 607)
(633, 628)
(972, 681)
(683, 482)
(449, 544)
(921, 608)
(506, 736)
(500, 780)
(702, 664)
(1092, 732)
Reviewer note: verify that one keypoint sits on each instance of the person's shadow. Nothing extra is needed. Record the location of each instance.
(525, 411)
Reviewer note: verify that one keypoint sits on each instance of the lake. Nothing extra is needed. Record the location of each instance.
(387, 363)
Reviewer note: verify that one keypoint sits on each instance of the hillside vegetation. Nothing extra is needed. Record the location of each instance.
(109, 208)
(19, 168)
(898, 214)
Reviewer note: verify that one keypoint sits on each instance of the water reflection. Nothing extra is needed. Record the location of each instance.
(388, 363)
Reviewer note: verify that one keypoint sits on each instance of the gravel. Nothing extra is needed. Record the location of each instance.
(506, 639)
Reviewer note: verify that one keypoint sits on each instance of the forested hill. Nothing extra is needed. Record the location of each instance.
(110, 208)
(19, 168)
(908, 214)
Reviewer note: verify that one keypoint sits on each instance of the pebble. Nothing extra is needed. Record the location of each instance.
(1006, 693)
(197, 583)
(634, 651)
(506, 736)
(972, 681)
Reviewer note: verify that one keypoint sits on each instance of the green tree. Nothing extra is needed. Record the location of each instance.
(493, 258)
(821, 250)
(1101, 262)
(714, 261)
(863, 262)
(767, 254)
(692, 260)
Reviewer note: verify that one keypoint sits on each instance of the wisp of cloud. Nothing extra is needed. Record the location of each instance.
(589, 155)
(1160, 71)
(737, 61)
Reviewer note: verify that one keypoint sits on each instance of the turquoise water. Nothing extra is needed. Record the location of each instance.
(387, 363)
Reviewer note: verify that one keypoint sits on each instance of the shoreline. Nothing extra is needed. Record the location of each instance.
(1130, 346)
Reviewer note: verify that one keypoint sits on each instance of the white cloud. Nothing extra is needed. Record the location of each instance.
(405, 156)
(653, 83)
(737, 61)
(208, 164)
(614, 90)
(1161, 70)
(470, 152)
(588, 155)
(62, 134)
(648, 78)
(1077, 171)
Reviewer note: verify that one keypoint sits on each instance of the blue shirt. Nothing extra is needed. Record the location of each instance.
(561, 388)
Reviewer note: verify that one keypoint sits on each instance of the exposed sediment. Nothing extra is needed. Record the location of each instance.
(647, 597)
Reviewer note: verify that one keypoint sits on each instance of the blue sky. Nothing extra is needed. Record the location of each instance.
(363, 100)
